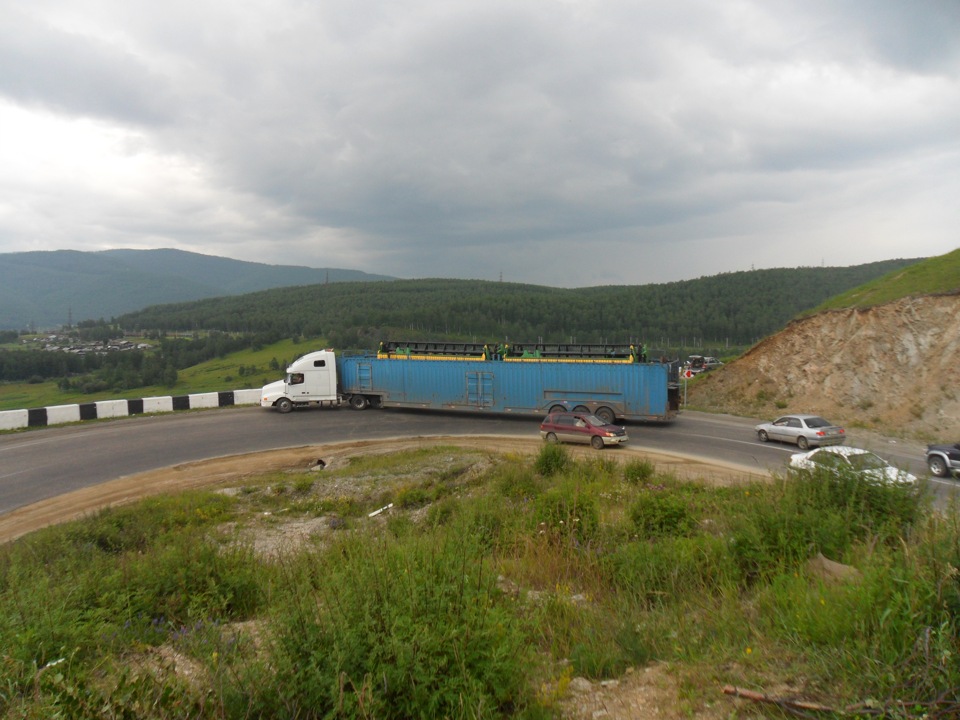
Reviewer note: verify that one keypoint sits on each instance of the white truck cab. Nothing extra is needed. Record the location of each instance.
(309, 379)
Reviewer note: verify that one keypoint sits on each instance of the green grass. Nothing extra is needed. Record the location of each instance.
(928, 277)
(211, 376)
(506, 578)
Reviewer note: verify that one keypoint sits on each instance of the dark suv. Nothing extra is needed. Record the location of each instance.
(943, 460)
(581, 428)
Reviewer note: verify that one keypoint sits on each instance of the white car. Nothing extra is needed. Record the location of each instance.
(837, 458)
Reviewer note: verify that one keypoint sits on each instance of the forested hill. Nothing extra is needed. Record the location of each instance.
(49, 289)
(732, 308)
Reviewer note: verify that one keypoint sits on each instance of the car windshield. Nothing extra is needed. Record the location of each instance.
(594, 420)
(816, 422)
(867, 461)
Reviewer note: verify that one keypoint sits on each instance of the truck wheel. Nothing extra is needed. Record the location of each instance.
(606, 414)
(359, 402)
(937, 466)
(551, 438)
(284, 405)
(597, 442)
(803, 443)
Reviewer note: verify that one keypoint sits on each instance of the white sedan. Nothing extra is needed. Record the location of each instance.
(839, 458)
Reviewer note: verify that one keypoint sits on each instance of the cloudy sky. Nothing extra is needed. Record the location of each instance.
(567, 143)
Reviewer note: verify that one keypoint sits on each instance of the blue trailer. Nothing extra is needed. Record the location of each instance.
(527, 383)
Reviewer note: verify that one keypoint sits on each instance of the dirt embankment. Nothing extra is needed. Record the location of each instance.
(892, 368)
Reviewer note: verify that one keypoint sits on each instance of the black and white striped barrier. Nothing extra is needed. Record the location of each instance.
(60, 414)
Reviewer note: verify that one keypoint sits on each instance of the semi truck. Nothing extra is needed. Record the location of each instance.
(611, 382)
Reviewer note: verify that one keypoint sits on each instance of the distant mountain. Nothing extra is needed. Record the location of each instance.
(48, 289)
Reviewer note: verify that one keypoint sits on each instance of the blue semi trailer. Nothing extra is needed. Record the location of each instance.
(611, 384)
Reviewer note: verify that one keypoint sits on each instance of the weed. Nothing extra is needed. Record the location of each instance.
(552, 459)
(639, 471)
(303, 485)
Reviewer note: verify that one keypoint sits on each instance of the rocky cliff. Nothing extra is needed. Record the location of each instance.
(893, 368)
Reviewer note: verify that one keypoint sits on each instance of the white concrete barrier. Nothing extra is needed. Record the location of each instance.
(205, 400)
(59, 414)
(158, 404)
(111, 408)
(246, 397)
(13, 419)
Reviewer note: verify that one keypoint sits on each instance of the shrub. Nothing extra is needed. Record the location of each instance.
(672, 569)
(410, 498)
(516, 481)
(442, 512)
(552, 459)
(639, 471)
(658, 513)
(568, 512)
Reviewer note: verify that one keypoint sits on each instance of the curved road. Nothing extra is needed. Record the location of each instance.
(40, 464)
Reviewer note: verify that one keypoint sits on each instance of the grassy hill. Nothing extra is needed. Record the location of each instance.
(927, 277)
(496, 585)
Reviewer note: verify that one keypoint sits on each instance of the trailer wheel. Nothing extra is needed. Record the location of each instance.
(557, 408)
(581, 409)
(359, 402)
(606, 414)
(284, 405)
(597, 442)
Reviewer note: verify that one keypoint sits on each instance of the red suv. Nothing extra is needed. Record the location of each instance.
(581, 428)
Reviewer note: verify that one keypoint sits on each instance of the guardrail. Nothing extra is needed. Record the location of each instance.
(100, 409)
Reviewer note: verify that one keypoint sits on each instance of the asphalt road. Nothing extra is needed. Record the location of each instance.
(39, 464)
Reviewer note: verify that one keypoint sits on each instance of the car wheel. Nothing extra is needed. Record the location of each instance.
(557, 408)
(937, 466)
(551, 438)
(606, 415)
(359, 402)
(284, 405)
(581, 409)
(803, 443)
(597, 442)
(762, 434)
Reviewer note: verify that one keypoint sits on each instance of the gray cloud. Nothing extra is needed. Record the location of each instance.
(564, 142)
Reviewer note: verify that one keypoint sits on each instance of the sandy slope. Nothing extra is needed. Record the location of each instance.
(893, 368)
